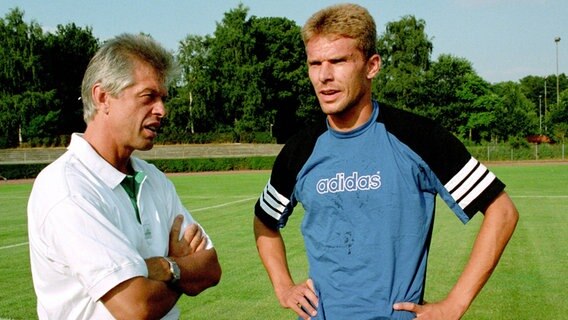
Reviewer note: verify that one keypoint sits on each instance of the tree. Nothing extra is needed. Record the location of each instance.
(482, 120)
(233, 70)
(539, 90)
(283, 82)
(405, 51)
(452, 93)
(515, 113)
(39, 120)
(37, 85)
(19, 53)
(9, 122)
(250, 76)
(190, 112)
(558, 118)
(66, 54)
(20, 71)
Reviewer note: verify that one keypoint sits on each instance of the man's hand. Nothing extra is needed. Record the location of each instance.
(193, 239)
(301, 298)
(158, 269)
(430, 311)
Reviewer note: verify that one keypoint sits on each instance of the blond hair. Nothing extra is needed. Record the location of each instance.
(344, 20)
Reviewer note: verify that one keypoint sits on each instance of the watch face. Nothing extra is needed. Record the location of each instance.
(174, 270)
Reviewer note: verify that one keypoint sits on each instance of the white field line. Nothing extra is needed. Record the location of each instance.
(14, 245)
(194, 210)
(542, 197)
(12, 197)
(222, 205)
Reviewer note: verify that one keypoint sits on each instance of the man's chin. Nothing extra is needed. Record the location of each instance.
(331, 110)
(146, 145)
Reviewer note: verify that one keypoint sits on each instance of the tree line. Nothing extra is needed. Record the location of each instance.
(247, 82)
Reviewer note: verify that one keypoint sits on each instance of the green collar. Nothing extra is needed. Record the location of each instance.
(131, 184)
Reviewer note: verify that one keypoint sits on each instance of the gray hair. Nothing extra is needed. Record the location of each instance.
(113, 67)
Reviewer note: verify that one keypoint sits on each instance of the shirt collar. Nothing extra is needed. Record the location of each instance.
(359, 130)
(94, 162)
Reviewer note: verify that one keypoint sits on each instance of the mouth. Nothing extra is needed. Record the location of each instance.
(152, 128)
(328, 95)
(328, 92)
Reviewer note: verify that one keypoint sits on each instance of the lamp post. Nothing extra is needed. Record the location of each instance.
(540, 113)
(545, 102)
(556, 40)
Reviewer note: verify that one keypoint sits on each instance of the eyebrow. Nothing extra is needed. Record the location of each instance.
(332, 59)
(162, 93)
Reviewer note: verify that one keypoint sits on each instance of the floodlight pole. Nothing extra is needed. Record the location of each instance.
(557, 40)
(545, 102)
(540, 113)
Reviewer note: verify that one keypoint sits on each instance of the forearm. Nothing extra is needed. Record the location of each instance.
(140, 298)
(496, 229)
(199, 271)
(153, 297)
(272, 252)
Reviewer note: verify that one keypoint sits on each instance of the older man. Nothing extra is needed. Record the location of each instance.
(109, 237)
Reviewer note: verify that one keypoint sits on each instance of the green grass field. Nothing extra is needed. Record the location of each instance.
(530, 282)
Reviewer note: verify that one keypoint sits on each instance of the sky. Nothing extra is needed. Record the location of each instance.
(505, 40)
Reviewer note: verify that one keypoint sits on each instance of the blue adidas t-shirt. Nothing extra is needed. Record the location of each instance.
(369, 200)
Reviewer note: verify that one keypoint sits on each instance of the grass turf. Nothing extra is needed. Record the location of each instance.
(529, 283)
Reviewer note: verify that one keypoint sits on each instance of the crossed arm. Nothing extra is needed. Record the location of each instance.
(153, 297)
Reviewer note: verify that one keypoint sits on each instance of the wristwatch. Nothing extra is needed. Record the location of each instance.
(174, 270)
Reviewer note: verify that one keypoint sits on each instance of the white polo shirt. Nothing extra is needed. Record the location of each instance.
(84, 234)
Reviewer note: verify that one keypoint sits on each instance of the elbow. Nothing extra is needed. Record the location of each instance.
(214, 272)
(137, 311)
(505, 212)
(513, 217)
(139, 298)
(509, 222)
(209, 279)
(214, 275)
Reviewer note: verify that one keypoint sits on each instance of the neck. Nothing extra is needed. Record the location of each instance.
(106, 147)
(351, 118)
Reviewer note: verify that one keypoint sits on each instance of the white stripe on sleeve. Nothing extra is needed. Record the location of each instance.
(475, 192)
(272, 202)
(461, 175)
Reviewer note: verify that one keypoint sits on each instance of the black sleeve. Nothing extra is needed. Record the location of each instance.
(470, 184)
(276, 202)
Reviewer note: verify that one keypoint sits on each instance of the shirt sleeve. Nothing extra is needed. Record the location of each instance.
(276, 202)
(85, 243)
(464, 183)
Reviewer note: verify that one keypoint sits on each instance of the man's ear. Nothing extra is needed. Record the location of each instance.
(373, 66)
(100, 98)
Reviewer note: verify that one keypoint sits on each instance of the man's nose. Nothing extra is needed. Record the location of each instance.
(160, 109)
(326, 72)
